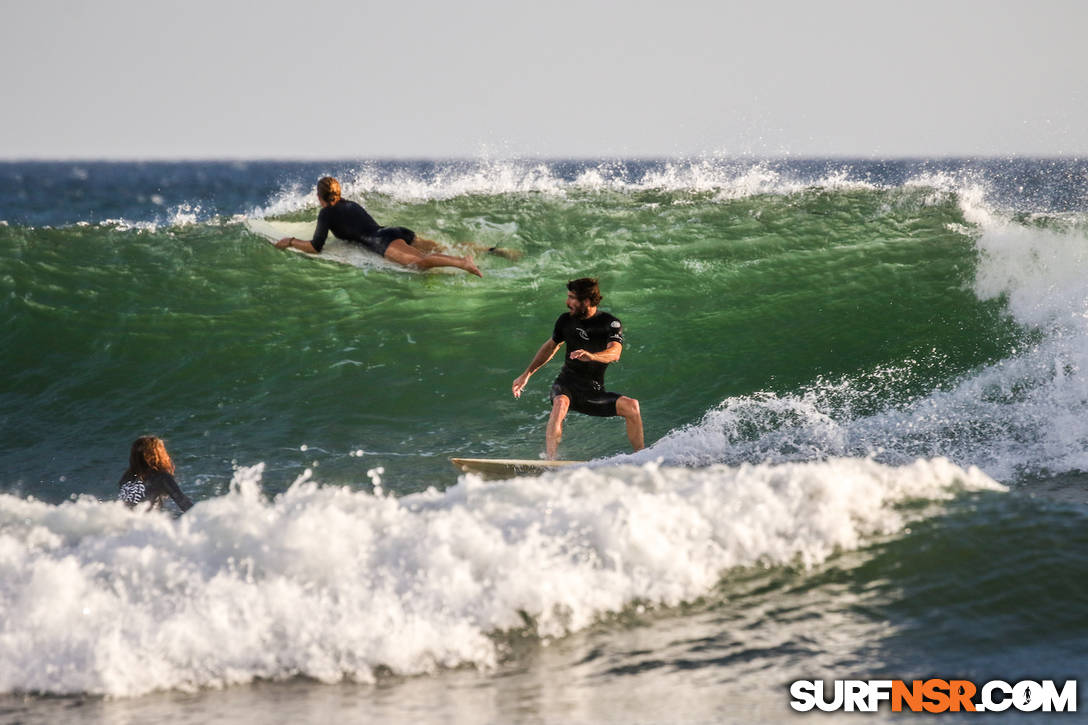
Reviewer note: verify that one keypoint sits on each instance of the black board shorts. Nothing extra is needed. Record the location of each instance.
(380, 240)
(600, 403)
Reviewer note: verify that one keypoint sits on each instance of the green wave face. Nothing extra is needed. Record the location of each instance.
(205, 334)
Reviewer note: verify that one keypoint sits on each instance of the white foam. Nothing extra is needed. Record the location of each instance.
(1026, 414)
(1043, 273)
(331, 583)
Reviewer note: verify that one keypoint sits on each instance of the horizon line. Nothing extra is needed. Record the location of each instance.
(1071, 156)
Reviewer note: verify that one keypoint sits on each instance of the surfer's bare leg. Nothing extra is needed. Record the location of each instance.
(512, 254)
(628, 408)
(429, 246)
(401, 253)
(466, 263)
(560, 406)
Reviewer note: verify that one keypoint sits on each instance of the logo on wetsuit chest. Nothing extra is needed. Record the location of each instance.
(582, 333)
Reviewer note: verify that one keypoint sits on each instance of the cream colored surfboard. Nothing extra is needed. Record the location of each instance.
(335, 250)
(506, 467)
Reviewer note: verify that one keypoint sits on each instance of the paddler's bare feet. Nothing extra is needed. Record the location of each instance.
(512, 254)
(470, 266)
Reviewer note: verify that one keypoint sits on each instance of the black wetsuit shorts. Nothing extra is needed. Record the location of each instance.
(380, 240)
(591, 399)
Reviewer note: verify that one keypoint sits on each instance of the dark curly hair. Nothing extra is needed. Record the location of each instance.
(586, 290)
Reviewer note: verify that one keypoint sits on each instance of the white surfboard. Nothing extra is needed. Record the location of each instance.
(507, 467)
(356, 255)
(335, 250)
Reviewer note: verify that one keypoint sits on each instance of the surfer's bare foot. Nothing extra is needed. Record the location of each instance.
(470, 266)
(512, 254)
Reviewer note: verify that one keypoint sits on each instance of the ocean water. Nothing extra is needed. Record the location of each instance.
(865, 394)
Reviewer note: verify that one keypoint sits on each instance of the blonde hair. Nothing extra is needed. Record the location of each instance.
(148, 455)
(328, 189)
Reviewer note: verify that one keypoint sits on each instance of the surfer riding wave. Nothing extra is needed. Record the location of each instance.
(594, 340)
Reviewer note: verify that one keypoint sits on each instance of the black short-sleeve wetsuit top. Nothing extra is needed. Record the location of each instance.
(583, 380)
(351, 222)
(152, 491)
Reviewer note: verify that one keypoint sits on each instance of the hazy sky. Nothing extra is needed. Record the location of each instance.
(556, 78)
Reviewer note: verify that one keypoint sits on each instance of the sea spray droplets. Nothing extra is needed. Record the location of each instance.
(375, 476)
(728, 179)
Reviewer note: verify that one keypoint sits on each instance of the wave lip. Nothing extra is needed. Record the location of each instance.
(333, 584)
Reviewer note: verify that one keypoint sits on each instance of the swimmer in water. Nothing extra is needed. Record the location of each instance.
(150, 477)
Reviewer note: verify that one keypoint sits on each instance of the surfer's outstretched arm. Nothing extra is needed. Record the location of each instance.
(170, 486)
(543, 355)
(300, 244)
(609, 355)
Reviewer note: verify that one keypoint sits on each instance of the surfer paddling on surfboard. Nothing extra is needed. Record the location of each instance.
(350, 221)
(594, 339)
